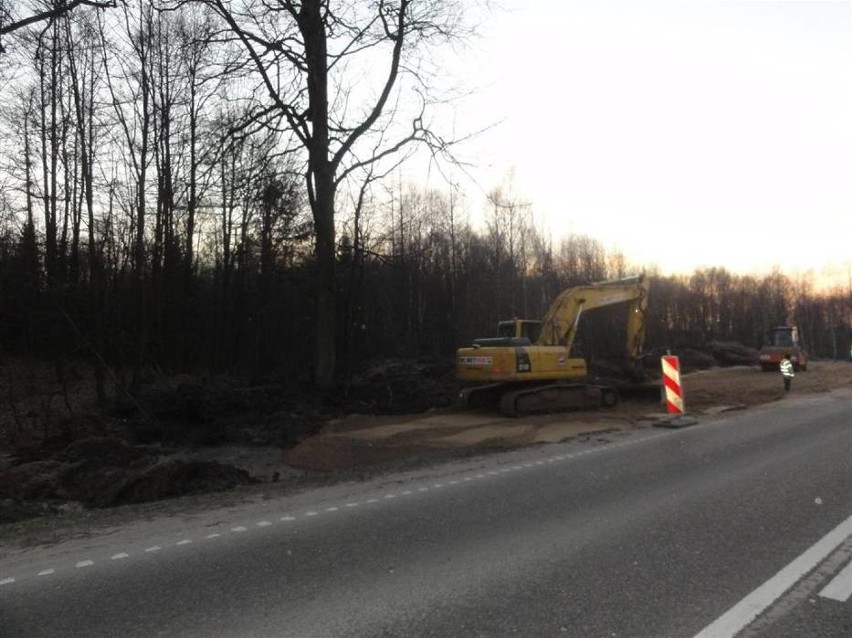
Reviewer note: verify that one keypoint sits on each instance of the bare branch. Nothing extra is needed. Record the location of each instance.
(59, 9)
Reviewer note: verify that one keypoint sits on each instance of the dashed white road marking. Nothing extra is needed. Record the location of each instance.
(744, 612)
(834, 589)
(840, 588)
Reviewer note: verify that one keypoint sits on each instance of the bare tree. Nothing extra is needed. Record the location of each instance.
(316, 61)
(134, 117)
(195, 30)
(509, 227)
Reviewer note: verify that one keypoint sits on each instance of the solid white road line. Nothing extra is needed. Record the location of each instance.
(840, 588)
(744, 612)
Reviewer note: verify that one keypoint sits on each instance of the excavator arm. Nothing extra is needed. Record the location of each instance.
(559, 327)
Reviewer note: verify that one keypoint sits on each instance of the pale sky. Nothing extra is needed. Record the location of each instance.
(684, 133)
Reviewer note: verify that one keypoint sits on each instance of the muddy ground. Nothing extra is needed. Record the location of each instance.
(147, 459)
(361, 440)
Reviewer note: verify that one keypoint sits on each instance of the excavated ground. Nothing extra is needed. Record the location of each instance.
(67, 493)
(365, 440)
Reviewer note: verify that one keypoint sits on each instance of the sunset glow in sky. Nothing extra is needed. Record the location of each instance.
(684, 133)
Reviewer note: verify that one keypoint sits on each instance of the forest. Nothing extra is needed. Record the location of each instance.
(187, 187)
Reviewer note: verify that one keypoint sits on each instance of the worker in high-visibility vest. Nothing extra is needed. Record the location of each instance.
(787, 372)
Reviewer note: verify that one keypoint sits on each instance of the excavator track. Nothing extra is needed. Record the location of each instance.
(557, 397)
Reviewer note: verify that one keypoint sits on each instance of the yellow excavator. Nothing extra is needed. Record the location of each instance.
(531, 368)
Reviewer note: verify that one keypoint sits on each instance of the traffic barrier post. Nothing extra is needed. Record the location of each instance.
(671, 382)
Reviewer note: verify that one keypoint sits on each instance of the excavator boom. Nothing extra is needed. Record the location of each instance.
(562, 318)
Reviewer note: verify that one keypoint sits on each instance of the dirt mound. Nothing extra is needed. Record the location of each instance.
(732, 353)
(401, 386)
(103, 472)
(177, 477)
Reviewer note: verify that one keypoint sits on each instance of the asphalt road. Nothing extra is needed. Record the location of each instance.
(655, 533)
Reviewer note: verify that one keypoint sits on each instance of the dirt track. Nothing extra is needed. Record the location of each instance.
(367, 440)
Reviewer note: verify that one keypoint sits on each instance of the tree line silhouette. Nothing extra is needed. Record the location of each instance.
(152, 221)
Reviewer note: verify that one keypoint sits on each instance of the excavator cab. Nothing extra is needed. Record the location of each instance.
(520, 328)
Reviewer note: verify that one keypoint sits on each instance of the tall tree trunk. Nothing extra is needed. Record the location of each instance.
(140, 301)
(321, 189)
(193, 180)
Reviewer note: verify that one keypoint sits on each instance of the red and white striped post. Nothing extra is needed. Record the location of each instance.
(671, 382)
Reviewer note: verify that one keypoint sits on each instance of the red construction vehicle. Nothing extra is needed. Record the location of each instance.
(779, 341)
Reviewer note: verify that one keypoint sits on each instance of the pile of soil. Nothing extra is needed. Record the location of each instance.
(104, 472)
